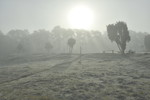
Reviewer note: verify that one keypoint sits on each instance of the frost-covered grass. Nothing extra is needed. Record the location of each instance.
(98, 77)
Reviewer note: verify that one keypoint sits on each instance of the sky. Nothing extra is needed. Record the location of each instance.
(46, 14)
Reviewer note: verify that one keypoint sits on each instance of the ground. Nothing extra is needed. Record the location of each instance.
(64, 77)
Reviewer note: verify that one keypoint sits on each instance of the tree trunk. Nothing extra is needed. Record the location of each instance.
(119, 47)
(122, 52)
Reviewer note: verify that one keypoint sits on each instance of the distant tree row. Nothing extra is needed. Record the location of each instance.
(56, 41)
(59, 40)
(21, 41)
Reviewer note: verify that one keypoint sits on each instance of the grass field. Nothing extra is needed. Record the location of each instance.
(63, 77)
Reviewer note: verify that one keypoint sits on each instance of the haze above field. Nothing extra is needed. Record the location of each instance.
(74, 50)
(45, 14)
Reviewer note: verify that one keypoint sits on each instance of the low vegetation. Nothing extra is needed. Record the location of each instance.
(62, 77)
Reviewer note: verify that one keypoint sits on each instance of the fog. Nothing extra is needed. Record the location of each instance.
(46, 14)
(24, 42)
(74, 50)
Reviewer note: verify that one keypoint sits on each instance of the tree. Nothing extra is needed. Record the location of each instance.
(58, 38)
(2, 44)
(18, 35)
(147, 42)
(71, 43)
(20, 48)
(119, 33)
(48, 46)
(38, 40)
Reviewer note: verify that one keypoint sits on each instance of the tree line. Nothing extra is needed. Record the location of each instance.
(56, 41)
(44, 41)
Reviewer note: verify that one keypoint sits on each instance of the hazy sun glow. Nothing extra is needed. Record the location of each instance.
(81, 17)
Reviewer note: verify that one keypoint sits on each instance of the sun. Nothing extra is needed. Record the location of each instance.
(81, 17)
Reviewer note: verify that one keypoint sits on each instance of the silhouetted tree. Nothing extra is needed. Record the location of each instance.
(71, 43)
(119, 33)
(147, 42)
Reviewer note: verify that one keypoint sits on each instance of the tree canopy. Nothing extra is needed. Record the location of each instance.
(119, 33)
(71, 43)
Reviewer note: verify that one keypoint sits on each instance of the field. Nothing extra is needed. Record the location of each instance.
(63, 77)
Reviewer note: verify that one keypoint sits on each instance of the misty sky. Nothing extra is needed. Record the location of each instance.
(45, 14)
